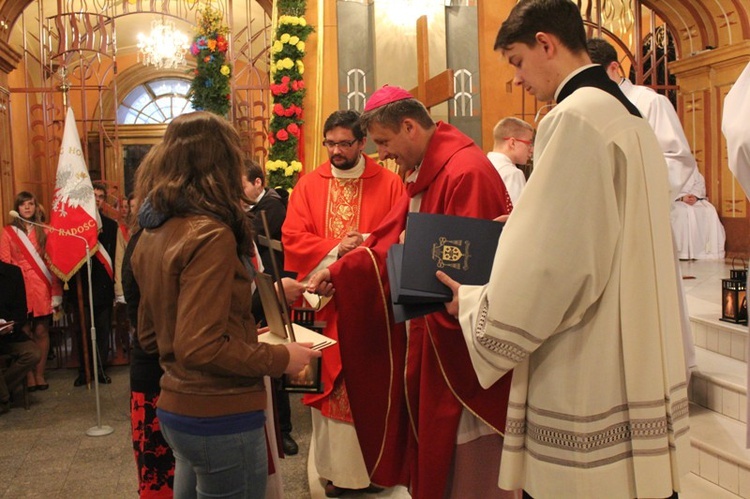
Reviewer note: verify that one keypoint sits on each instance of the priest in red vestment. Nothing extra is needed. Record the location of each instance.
(421, 416)
(331, 211)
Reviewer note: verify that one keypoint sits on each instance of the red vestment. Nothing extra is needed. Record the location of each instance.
(407, 394)
(322, 209)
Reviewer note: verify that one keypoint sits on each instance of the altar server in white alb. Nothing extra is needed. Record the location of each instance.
(582, 301)
(698, 232)
(735, 130)
(513, 144)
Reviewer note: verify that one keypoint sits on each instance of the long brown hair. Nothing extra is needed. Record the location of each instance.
(37, 217)
(197, 169)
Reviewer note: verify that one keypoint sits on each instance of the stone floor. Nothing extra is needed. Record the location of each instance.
(46, 453)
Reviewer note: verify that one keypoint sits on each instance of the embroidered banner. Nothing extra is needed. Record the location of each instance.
(74, 212)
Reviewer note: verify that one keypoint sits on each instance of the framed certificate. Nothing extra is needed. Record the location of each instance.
(308, 380)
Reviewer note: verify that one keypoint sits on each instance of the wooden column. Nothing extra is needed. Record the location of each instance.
(9, 60)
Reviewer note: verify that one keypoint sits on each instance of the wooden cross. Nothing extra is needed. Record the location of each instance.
(439, 88)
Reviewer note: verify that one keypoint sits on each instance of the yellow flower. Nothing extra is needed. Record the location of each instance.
(301, 46)
(288, 63)
(302, 21)
(296, 166)
(277, 47)
(211, 45)
(284, 38)
(288, 171)
(293, 40)
(225, 70)
(300, 67)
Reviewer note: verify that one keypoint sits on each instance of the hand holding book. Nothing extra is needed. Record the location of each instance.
(320, 283)
(452, 306)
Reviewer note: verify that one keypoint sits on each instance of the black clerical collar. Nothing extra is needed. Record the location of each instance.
(597, 77)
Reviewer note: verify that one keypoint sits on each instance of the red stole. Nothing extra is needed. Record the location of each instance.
(407, 395)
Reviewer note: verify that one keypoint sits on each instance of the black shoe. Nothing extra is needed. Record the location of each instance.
(289, 445)
(332, 491)
(80, 380)
(104, 379)
(4, 407)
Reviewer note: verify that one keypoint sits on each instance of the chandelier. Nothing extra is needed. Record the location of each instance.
(164, 47)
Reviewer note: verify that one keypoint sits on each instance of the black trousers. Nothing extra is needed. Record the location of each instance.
(282, 406)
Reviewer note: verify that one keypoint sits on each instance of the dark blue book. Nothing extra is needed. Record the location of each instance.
(462, 247)
(416, 304)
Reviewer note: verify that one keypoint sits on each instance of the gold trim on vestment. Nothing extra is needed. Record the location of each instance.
(344, 206)
(390, 357)
(445, 378)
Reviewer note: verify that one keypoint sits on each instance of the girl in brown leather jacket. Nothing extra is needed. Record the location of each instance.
(190, 265)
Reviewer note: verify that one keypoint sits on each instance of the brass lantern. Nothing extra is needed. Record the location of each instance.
(734, 297)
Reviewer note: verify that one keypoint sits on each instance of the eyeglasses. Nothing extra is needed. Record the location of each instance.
(523, 141)
(342, 144)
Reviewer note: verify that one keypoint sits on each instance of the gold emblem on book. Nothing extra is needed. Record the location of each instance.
(452, 253)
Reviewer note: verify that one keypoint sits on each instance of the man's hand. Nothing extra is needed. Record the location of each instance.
(452, 306)
(292, 289)
(320, 283)
(299, 357)
(350, 241)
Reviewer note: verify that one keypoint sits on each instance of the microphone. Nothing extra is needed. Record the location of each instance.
(15, 214)
(99, 429)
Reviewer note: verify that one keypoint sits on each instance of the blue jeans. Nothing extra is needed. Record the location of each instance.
(221, 466)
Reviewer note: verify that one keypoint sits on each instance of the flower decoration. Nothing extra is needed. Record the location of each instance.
(210, 88)
(287, 90)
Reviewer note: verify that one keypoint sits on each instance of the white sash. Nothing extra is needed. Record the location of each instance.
(32, 252)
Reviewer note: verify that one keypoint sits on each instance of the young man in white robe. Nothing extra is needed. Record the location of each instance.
(513, 144)
(681, 165)
(582, 301)
(657, 110)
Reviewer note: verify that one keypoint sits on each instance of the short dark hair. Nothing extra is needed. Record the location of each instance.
(254, 171)
(391, 115)
(345, 119)
(100, 186)
(601, 51)
(561, 18)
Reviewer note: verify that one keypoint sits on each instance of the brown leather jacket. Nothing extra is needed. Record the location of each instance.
(195, 309)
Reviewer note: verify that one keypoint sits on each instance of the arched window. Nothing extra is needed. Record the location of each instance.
(157, 101)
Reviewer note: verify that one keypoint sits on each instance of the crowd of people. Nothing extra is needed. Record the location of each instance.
(490, 396)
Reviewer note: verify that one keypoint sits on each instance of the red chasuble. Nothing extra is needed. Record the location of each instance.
(407, 394)
(322, 209)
